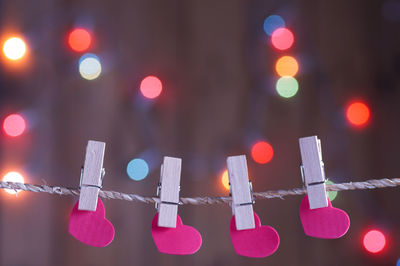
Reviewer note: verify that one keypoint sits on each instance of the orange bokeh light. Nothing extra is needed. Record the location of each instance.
(374, 241)
(358, 114)
(286, 66)
(225, 179)
(79, 40)
(15, 51)
(14, 125)
(262, 152)
(151, 87)
(282, 39)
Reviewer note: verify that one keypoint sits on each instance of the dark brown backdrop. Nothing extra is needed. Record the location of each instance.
(216, 66)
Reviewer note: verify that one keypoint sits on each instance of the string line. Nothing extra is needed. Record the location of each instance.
(369, 184)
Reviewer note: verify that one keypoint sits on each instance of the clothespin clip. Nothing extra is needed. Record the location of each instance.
(168, 190)
(92, 176)
(169, 233)
(312, 171)
(249, 238)
(91, 228)
(241, 191)
(318, 217)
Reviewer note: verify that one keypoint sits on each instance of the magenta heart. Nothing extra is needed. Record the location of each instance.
(182, 240)
(259, 242)
(91, 227)
(328, 222)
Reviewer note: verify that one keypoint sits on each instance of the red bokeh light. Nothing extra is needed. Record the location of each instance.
(358, 113)
(262, 152)
(151, 87)
(374, 241)
(79, 40)
(282, 39)
(14, 125)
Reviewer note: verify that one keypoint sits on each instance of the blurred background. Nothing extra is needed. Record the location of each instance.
(199, 80)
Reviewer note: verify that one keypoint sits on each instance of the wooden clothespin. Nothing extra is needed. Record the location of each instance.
(241, 191)
(91, 176)
(313, 172)
(168, 190)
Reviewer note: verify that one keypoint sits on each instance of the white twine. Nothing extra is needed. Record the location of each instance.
(369, 184)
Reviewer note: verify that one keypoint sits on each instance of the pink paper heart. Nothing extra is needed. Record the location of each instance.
(91, 227)
(182, 240)
(259, 242)
(328, 222)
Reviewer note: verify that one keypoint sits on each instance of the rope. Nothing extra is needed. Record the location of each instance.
(369, 184)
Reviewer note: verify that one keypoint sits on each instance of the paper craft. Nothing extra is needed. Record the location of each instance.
(91, 227)
(182, 240)
(259, 242)
(328, 222)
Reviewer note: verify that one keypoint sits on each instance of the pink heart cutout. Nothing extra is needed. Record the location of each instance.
(259, 242)
(182, 240)
(91, 227)
(328, 222)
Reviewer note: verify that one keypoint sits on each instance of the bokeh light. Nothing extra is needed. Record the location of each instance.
(225, 179)
(14, 48)
(89, 66)
(14, 125)
(151, 87)
(273, 22)
(282, 39)
(358, 114)
(374, 241)
(398, 262)
(331, 194)
(262, 152)
(13, 177)
(287, 87)
(137, 169)
(79, 39)
(286, 66)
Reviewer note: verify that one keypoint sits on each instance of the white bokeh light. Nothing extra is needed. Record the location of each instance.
(89, 66)
(14, 48)
(13, 177)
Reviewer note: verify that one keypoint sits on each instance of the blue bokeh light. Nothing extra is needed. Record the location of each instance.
(398, 262)
(137, 169)
(88, 55)
(272, 23)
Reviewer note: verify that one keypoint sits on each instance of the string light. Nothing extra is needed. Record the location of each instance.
(13, 177)
(14, 48)
(137, 169)
(282, 39)
(374, 241)
(225, 179)
(14, 125)
(273, 22)
(358, 114)
(286, 66)
(262, 152)
(151, 87)
(89, 66)
(79, 39)
(287, 87)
